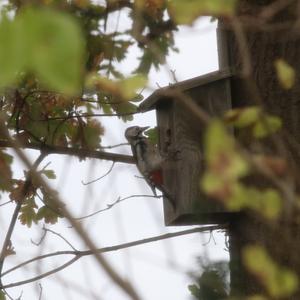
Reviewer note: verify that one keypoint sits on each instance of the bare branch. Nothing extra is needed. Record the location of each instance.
(79, 254)
(81, 153)
(40, 257)
(85, 115)
(41, 276)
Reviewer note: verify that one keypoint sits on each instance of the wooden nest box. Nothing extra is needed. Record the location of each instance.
(181, 140)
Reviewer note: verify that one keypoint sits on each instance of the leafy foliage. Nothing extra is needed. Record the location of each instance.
(28, 212)
(212, 284)
(26, 193)
(123, 90)
(185, 12)
(56, 82)
(226, 168)
(285, 73)
(49, 173)
(225, 165)
(59, 74)
(45, 42)
(260, 124)
(278, 281)
(2, 295)
(152, 135)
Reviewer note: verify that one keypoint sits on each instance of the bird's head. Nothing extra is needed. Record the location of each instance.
(135, 132)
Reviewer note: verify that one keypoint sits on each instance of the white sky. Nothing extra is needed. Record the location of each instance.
(158, 270)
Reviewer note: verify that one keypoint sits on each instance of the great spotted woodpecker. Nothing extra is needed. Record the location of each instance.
(148, 159)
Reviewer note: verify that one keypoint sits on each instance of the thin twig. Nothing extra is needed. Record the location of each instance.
(5, 203)
(110, 206)
(60, 236)
(46, 230)
(41, 291)
(114, 146)
(101, 177)
(40, 240)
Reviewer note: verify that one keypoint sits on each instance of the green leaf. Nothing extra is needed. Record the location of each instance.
(127, 109)
(53, 47)
(185, 12)
(243, 117)
(194, 290)
(285, 73)
(278, 281)
(216, 186)
(28, 213)
(123, 90)
(152, 135)
(49, 174)
(220, 152)
(261, 124)
(43, 41)
(286, 284)
(267, 126)
(37, 129)
(147, 60)
(47, 214)
(50, 212)
(11, 56)
(92, 134)
(225, 166)
(2, 295)
(266, 202)
(130, 85)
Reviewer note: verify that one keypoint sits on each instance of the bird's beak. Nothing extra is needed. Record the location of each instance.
(142, 129)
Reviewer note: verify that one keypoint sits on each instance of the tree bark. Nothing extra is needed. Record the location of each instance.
(278, 38)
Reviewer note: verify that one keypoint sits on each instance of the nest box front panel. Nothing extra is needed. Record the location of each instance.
(165, 120)
(181, 141)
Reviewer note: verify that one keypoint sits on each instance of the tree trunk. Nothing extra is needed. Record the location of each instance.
(279, 38)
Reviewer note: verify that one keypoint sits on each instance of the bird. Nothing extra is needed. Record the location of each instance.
(149, 161)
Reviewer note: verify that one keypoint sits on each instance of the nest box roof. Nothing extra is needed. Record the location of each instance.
(163, 94)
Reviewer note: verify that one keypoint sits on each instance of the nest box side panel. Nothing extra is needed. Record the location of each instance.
(187, 139)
